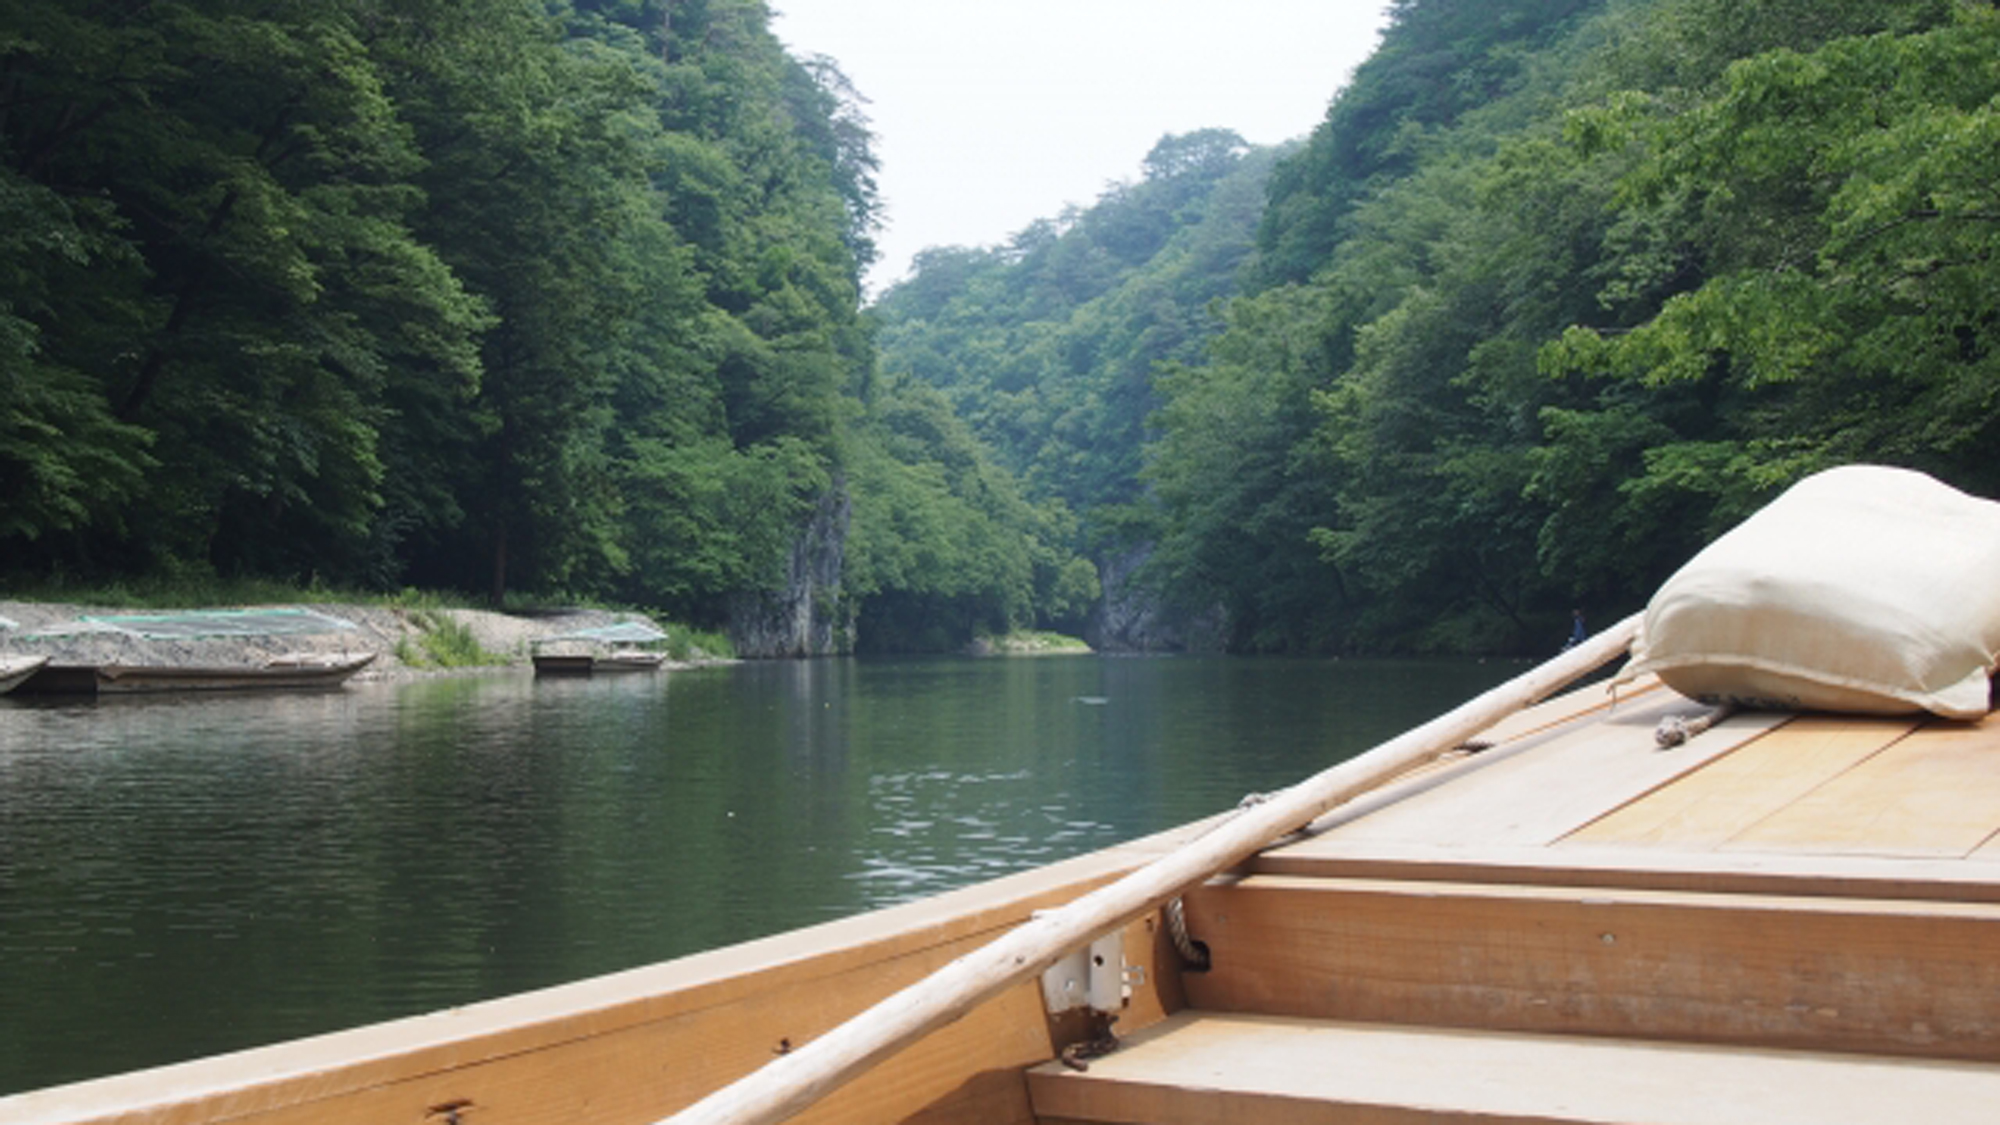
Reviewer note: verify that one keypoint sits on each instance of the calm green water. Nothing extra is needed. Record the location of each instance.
(182, 876)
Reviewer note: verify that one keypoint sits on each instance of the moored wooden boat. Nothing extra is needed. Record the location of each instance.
(587, 663)
(291, 672)
(1787, 918)
(15, 668)
(600, 649)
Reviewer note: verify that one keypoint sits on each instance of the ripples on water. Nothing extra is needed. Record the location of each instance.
(185, 875)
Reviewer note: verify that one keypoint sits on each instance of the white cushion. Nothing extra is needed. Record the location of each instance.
(1862, 588)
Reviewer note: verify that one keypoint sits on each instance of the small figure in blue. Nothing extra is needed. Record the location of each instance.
(1576, 630)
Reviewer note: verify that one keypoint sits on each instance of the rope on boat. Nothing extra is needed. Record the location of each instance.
(1194, 954)
(1675, 730)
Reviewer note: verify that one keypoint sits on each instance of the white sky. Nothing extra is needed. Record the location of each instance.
(990, 114)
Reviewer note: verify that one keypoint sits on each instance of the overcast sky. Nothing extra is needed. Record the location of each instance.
(990, 114)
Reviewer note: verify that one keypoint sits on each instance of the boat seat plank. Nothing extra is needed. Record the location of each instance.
(1201, 1068)
(1933, 793)
(1886, 977)
(1707, 807)
(1550, 790)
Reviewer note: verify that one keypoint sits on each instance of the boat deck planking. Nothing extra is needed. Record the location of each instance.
(1931, 793)
(1570, 774)
(1790, 918)
(1199, 1069)
(1712, 805)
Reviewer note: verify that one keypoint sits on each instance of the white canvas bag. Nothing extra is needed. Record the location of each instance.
(1862, 588)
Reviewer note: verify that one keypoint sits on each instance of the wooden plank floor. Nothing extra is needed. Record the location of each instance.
(1539, 795)
(1712, 805)
(1851, 807)
(1578, 774)
(1933, 793)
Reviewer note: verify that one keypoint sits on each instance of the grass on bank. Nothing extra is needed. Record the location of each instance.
(686, 643)
(442, 641)
(1032, 642)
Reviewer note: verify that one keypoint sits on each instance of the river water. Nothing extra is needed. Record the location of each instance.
(186, 875)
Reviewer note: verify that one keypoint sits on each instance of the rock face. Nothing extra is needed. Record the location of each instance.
(807, 616)
(1133, 619)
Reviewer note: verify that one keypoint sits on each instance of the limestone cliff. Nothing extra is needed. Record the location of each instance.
(807, 616)
(1131, 618)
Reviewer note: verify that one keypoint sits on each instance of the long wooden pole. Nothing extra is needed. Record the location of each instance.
(795, 1081)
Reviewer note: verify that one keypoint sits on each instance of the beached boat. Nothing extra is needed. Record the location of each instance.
(116, 654)
(1618, 904)
(291, 672)
(14, 668)
(598, 663)
(600, 649)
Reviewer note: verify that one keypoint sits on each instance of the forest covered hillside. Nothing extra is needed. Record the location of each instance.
(1557, 291)
(514, 299)
(553, 301)
(458, 293)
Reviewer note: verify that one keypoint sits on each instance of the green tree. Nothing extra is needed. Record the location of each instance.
(944, 547)
(235, 178)
(1839, 202)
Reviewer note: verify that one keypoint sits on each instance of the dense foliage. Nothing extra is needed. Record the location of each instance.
(1047, 345)
(473, 294)
(1701, 250)
(455, 292)
(562, 296)
(945, 547)
(1556, 292)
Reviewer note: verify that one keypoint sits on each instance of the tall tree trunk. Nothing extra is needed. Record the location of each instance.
(499, 564)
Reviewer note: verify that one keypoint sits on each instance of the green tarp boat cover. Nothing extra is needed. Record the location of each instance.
(201, 623)
(623, 633)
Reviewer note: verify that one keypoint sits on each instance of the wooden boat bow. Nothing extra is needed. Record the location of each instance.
(794, 1081)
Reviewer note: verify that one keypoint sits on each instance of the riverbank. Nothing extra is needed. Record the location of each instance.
(1027, 642)
(405, 639)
